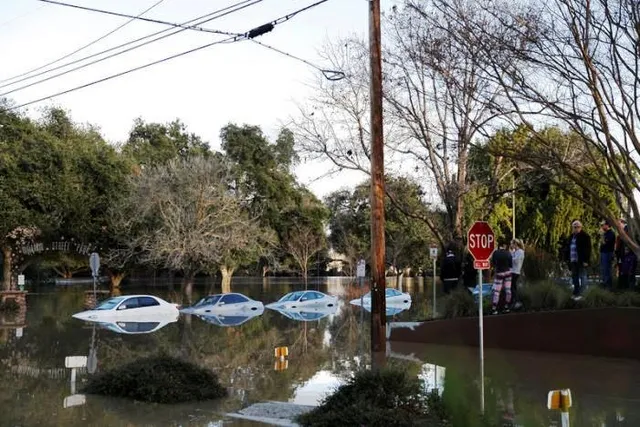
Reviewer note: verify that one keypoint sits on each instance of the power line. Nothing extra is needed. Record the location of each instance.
(328, 74)
(139, 18)
(200, 20)
(218, 13)
(255, 32)
(91, 43)
(15, 18)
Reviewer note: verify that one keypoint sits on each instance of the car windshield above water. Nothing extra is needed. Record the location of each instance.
(391, 293)
(109, 304)
(210, 300)
(293, 296)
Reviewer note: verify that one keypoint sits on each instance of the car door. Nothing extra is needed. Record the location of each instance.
(148, 306)
(128, 309)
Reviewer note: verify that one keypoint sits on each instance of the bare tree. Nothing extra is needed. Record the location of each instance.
(192, 218)
(303, 243)
(581, 73)
(434, 88)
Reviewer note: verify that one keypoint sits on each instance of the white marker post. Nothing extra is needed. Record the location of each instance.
(433, 253)
(360, 273)
(481, 241)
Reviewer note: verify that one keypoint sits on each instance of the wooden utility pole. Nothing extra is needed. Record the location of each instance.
(378, 306)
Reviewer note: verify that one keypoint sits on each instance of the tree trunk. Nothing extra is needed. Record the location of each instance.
(6, 268)
(306, 278)
(187, 287)
(227, 273)
(265, 270)
(116, 279)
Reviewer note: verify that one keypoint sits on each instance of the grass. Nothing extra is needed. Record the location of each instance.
(388, 397)
(158, 379)
(544, 296)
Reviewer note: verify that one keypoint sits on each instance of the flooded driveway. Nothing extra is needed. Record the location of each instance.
(35, 388)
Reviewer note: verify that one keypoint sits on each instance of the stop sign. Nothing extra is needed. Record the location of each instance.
(481, 241)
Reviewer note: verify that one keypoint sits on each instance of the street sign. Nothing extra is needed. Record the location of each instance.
(481, 241)
(559, 399)
(75, 361)
(20, 279)
(94, 262)
(74, 400)
(433, 252)
(481, 265)
(361, 268)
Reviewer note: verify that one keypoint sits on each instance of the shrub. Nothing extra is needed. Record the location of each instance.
(596, 297)
(459, 303)
(158, 379)
(540, 265)
(387, 397)
(9, 306)
(629, 299)
(544, 296)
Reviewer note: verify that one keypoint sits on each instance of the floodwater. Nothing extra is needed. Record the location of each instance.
(35, 388)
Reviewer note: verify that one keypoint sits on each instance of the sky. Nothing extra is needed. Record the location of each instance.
(239, 82)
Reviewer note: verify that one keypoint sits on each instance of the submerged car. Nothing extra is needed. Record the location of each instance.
(308, 314)
(129, 307)
(392, 309)
(224, 304)
(300, 299)
(392, 296)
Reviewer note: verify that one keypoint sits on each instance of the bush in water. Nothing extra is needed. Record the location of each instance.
(389, 397)
(159, 379)
(9, 306)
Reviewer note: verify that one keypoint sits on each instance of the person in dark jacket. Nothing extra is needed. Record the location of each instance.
(502, 264)
(578, 254)
(451, 270)
(627, 270)
(607, 247)
(620, 245)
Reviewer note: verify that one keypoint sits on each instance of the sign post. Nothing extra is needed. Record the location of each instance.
(361, 270)
(94, 262)
(433, 253)
(481, 242)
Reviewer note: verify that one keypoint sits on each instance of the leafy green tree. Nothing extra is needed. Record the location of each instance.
(263, 178)
(153, 144)
(407, 238)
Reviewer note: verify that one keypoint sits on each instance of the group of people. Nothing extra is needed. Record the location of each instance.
(577, 253)
(507, 262)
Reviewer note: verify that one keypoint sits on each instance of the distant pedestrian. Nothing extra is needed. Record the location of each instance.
(620, 245)
(517, 255)
(607, 247)
(502, 264)
(627, 270)
(578, 254)
(451, 270)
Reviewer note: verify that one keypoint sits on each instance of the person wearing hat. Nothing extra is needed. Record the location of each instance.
(578, 255)
(607, 247)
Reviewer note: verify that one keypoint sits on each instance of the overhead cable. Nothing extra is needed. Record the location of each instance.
(200, 20)
(243, 36)
(91, 43)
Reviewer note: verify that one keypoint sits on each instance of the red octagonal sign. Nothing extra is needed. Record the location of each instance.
(481, 241)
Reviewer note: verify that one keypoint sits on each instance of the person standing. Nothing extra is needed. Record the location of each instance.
(517, 256)
(620, 245)
(607, 247)
(627, 270)
(578, 256)
(451, 270)
(502, 264)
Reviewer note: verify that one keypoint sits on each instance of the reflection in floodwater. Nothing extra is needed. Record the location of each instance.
(323, 353)
(308, 314)
(230, 318)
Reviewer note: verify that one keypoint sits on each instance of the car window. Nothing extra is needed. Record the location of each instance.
(138, 326)
(210, 300)
(392, 292)
(234, 299)
(109, 304)
(318, 295)
(147, 302)
(128, 304)
(293, 296)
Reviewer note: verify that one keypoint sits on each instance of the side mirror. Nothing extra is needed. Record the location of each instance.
(122, 307)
